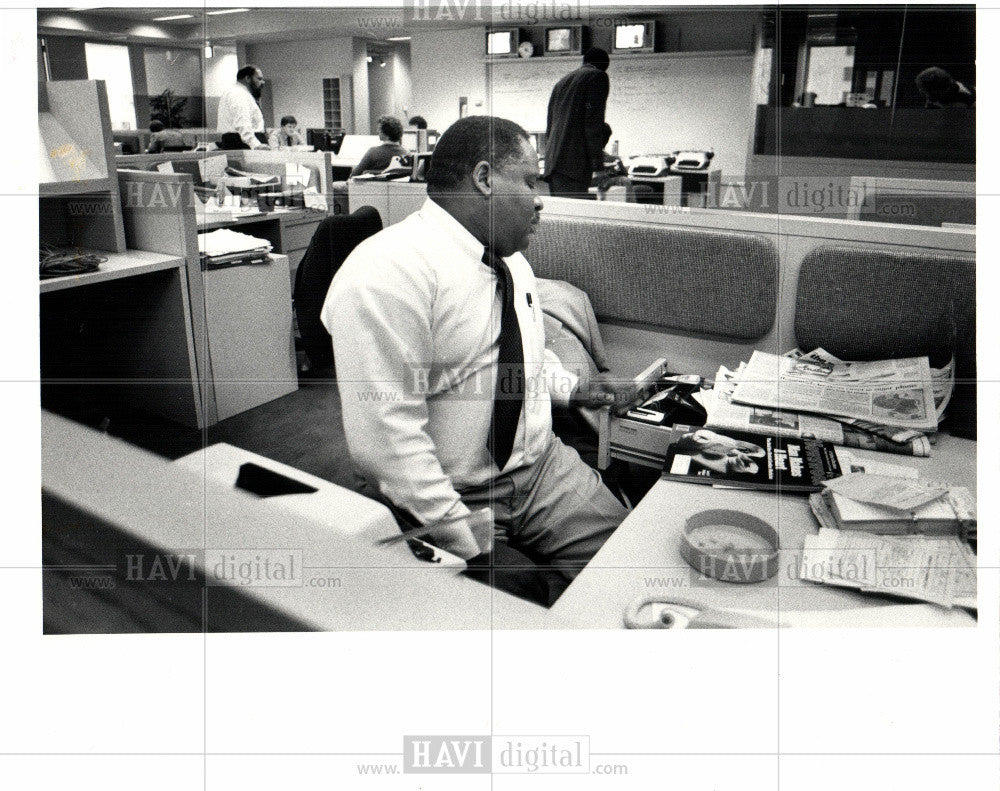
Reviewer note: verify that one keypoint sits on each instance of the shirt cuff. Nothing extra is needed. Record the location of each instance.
(562, 383)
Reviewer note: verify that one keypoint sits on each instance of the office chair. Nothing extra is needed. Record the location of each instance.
(231, 141)
(333, 241)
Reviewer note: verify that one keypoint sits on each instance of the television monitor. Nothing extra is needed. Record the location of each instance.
(564, 40)
(502, 43)
(321, 139)
(635, 36)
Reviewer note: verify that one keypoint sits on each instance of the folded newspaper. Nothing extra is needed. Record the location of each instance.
(894, 393)
(942, 379)
(723, 413)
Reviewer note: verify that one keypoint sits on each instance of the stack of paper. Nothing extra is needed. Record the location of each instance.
(941, 570)
(890, 505)
(225, 247)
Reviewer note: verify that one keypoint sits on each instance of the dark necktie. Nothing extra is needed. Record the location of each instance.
(508, 396)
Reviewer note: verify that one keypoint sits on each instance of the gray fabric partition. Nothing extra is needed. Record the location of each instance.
(870, 303)
(715, 283)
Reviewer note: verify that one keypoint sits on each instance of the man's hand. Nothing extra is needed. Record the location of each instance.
(467, 536)
(603, 390)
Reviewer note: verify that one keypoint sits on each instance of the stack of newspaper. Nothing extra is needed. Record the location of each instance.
(887, 405)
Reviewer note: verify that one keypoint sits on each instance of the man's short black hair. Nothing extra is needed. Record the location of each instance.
(156, 126)
(391, 127)
(418, 121)
(596, 56)
(469, 141)
(288, 119)
(246, 72)
(934, 81)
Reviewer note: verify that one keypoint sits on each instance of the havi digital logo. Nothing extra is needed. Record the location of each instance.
(497, 754)
(439, 754)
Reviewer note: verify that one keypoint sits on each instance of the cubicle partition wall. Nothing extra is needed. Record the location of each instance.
(900, 201)
(271, 162)
(241, 316)
(636, 343)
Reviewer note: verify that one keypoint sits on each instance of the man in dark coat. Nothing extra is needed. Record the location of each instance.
(575, 128)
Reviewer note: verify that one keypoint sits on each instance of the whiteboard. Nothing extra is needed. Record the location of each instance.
(657, 104)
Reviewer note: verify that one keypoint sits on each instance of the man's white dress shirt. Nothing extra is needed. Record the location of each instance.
(415, 320)
(239, 112)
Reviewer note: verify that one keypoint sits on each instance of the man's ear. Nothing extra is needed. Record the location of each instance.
(482, 178)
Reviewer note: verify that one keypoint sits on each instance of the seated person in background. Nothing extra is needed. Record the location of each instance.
(419, 122)
(162, 138)
(439, 314)
(942, 90)
(288, 135)
(377, 158)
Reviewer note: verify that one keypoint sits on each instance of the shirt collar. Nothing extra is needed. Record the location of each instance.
(434, 214)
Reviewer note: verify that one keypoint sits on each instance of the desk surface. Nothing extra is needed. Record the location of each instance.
(344, 162)
(119, 265)
(181, 512)
(643, 557)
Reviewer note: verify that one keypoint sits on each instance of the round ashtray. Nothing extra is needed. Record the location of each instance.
(730, 546)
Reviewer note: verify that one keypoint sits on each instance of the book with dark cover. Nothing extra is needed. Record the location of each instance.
(753, 461)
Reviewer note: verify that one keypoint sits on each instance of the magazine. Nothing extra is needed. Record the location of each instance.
(739, 458)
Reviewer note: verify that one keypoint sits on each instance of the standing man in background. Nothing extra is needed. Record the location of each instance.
(575, 128)
(240, 118)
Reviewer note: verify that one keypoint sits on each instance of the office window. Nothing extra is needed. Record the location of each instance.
(332, 118)
(110, 62)
(831, 70)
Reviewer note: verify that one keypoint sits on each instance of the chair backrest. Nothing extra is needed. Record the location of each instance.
(334, 239)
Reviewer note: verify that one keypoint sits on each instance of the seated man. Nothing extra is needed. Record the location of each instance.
(288, 135)
(377, 158)
(445, 384)
(163, 139)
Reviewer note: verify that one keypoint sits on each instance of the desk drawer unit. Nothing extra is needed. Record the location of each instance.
(248, 313)
(295, 238)
(298, 236)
